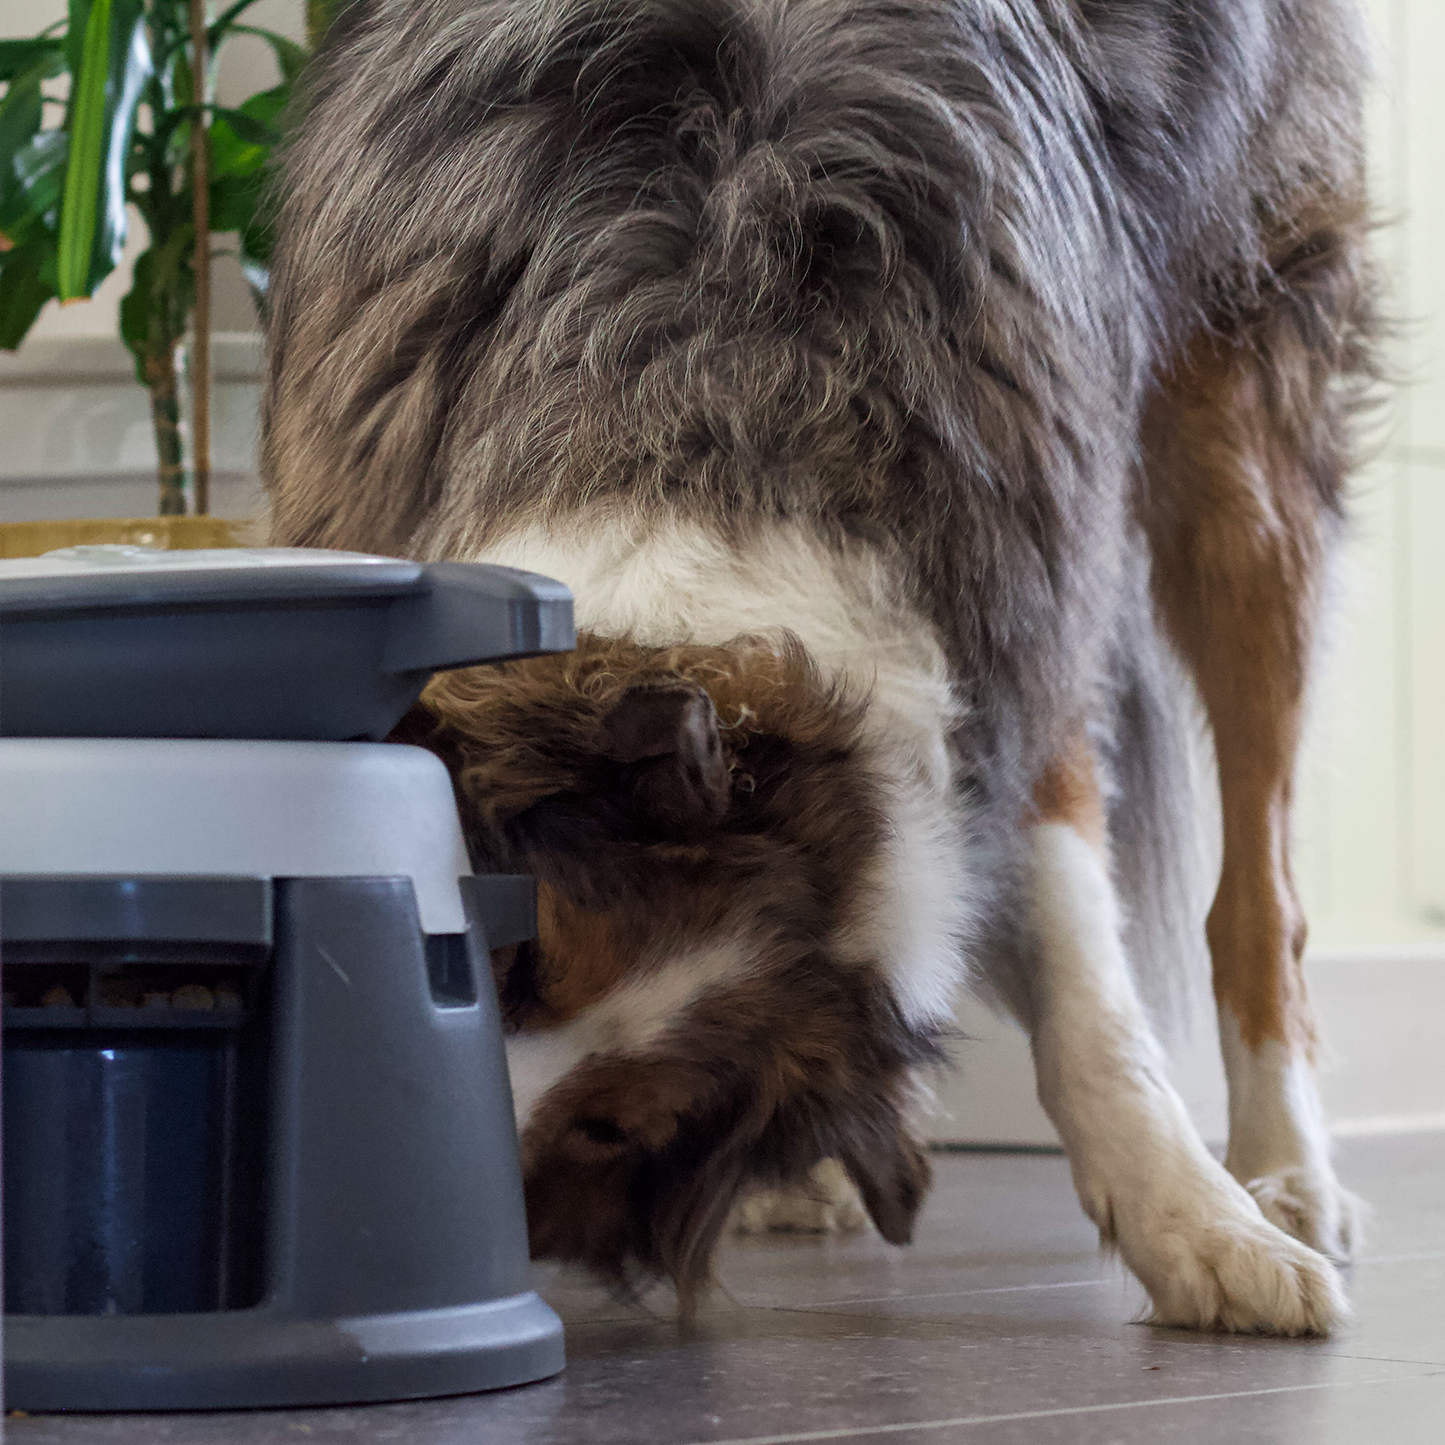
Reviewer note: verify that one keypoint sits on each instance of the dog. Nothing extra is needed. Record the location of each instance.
(932, 404)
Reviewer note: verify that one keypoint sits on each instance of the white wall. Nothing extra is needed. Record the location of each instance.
(1373, 824)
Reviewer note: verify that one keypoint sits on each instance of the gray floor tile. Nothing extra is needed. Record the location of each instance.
(1002, 1324)
(1389, 1412)
(765, 1374)
(1400, 1311)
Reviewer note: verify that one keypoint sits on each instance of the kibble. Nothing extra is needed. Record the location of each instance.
(195, 997)
(57, 996)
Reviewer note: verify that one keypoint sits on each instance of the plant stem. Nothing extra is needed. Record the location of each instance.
(201, 263)
(163, 384)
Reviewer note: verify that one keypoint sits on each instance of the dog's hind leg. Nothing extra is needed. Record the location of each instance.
(1190, 1231)
(1245, 461)
(826, 1202)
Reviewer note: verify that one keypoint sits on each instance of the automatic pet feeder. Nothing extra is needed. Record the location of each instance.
(258, 1133)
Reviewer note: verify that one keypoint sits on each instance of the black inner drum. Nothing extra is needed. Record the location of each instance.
(134, 1133)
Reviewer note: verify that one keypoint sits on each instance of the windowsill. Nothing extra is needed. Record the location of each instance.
(100, 360)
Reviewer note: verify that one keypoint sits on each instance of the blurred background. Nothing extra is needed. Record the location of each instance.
(76, 441)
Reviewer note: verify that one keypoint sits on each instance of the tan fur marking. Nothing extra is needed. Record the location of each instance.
(1240, 546)
(1068, 792)
(595, 947)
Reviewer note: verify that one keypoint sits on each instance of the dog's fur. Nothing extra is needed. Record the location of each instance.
(897, 383)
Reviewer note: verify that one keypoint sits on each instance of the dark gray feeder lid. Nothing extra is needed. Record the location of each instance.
(251, 642)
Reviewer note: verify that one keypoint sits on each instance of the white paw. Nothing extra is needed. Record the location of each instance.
(1213, 1262)
(1310, 1205)
(825, 1203)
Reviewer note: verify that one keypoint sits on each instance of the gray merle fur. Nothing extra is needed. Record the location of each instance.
(909, 271)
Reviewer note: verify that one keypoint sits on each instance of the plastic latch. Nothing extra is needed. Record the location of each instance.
(503, 905)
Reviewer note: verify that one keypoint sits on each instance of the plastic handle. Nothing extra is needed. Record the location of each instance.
(472, 613)
(504, 904)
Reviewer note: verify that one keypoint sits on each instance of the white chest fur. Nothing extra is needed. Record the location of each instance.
(675, 582)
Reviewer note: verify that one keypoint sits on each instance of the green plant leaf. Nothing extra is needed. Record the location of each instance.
(242, 141)
(233, 202)
(115, 66)
(165, 126)
(173, 279)
(168, 51)
(30, 202)
(19, 56)
(77, 20)
(90, 85)
(20, 113)
(135, 312)
(267, 106)
(247, 127)
(20, 117)
(24, 289)
(153, 312)
(233, 157)
(239, 189)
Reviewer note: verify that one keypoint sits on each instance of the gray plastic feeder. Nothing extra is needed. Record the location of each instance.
(258, 1135)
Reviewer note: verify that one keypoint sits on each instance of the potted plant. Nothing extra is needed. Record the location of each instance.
(140, 128)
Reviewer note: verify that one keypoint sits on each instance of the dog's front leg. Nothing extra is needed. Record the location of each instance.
(1190, 1231)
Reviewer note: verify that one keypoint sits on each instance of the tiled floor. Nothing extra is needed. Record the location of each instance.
(1001, 1325)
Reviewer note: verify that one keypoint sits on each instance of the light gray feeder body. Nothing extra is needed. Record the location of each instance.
(311, 1194)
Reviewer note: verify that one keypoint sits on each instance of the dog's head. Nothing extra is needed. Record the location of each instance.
(702, 823)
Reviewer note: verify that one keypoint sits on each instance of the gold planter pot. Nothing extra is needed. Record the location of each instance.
(31, 539)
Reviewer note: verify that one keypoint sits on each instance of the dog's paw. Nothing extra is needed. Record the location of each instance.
(1229, 1268)
(1311, 1206)
(826, 1202)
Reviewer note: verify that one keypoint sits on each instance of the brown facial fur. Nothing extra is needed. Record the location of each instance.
(633, 1162)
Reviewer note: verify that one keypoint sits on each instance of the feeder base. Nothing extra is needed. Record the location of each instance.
(246, 1358)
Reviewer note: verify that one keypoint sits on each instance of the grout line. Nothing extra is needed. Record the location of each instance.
(814, 1306)
(1429, 1365)
(1125, 1279)
(964, 1146)
(857, 1432)
(943, 1294)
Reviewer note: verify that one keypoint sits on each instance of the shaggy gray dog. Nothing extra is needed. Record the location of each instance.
(897, 383)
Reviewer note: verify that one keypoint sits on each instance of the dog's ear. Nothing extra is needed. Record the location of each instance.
(892, 1174)
(665, 745)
